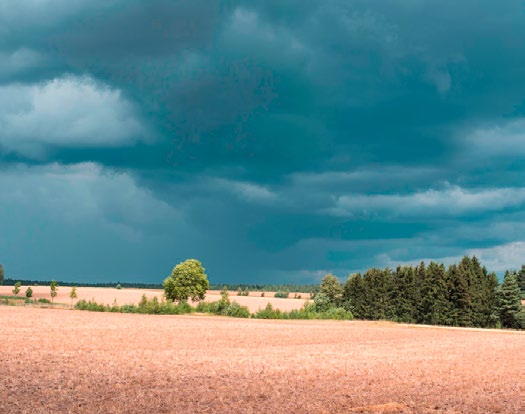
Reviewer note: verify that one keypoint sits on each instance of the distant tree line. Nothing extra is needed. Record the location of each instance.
(28, 282)
(463, 294)
(258, 287)
(305, 288)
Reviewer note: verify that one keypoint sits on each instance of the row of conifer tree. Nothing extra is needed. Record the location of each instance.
(463, 294)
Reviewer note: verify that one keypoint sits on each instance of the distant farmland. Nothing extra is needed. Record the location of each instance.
(108, 296)
(82, 362)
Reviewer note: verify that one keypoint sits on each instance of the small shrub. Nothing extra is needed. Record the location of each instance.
(237, 311)
(337, 314)
(269, 313)
(90, 306)
(281, 294)
(43, 300)
(29, 292)
(119, 286)
(322, 302)
(16, 290)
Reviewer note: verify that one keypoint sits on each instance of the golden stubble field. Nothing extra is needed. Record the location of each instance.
(58, 361)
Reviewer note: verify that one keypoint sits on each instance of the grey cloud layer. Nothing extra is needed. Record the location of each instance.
(278, 128)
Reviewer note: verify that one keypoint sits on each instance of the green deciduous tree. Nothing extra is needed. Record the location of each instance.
(16, 290)
(29, 292)
(509, 301)
(53, 290)
(187, 281)
(1, 274)
(73, 294)
(331, 287)
(322, 302)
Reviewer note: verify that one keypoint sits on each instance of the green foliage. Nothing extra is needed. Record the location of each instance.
(187, 281)
(354, 298)
(509, 301)
(322, 302)
(283, 294)
(43, 300)
(224, 307)
(53, 286)
(521, 281)
(73, 294)
(13, 300)
(2, 274)
(269, 313)
(237, 311)
(90, 306)
(462, 295)
(243, 291)
(308, 311)
(146, 306)
(16, 290)
(521, 318)
(332, 289)
(119, 286)
(403, 295)
(29, 292)
(375, 289)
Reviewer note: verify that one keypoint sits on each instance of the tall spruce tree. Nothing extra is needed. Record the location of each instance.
(440, 307)
(458, 295)
(377, 283)
(354, 297)
(521, 281)
(403, 295)
(424, 295)
(509, 301)
(487, 312)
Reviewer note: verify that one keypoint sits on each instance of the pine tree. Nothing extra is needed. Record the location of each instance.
(509, 301)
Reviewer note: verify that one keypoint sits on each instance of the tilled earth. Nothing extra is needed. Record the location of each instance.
(59, 361)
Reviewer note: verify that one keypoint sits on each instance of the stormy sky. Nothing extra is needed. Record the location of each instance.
(275, 141)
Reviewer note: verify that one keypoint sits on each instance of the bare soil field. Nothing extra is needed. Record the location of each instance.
(108, 296)
(57, 360)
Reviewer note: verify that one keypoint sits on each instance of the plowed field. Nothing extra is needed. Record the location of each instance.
(58, 361)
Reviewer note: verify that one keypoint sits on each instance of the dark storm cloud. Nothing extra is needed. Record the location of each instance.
(284, 138)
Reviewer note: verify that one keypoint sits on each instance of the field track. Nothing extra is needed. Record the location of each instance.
(58, 361)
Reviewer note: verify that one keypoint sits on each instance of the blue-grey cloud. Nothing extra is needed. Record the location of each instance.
(272, 139)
